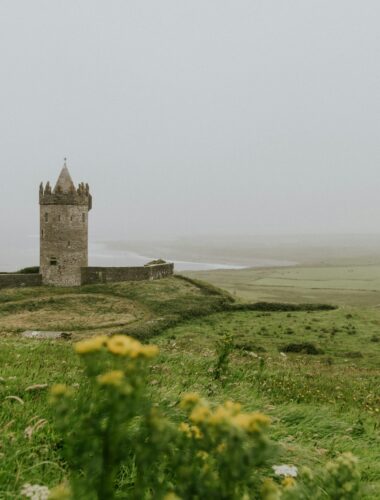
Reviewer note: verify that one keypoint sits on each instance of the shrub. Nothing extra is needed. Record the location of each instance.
(283, 307)
(111, 430)
(302, 347)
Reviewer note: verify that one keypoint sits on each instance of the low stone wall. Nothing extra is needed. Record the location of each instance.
(19, 280)
(94, 275)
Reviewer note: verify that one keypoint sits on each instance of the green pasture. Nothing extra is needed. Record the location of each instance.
(357, 285)
(321, 404)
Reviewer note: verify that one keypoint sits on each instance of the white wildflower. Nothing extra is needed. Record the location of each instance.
(35, 491)
(285, 470)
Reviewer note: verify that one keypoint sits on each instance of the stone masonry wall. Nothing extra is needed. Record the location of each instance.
(20, 280)
(63, 243)
(94, 275)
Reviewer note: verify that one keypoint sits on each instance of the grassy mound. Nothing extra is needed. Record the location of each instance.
(142, 309)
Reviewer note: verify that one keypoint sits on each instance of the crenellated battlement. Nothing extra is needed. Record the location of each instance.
(65, 192)
(74, 196)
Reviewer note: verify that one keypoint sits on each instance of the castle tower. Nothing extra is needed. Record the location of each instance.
(64, 230)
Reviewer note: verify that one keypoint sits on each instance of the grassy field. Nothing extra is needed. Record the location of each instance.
(321, 404)
(355, 285)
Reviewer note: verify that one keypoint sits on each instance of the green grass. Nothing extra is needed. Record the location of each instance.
(320, 405)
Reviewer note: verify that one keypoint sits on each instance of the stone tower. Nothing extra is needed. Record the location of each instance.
(64, 230)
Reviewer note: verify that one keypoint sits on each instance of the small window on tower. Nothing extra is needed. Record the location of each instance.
(42, 233)
(53, 261)
(69, 244)
(71, 218)
(83, 217)
(46, 217)
(59, 218)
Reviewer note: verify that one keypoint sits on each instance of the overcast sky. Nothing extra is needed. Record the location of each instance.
(193, 117)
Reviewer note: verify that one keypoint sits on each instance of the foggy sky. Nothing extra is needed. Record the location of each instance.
(193, 117)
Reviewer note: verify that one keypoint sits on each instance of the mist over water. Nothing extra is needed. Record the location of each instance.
(104, 254)
(208, 253)
(24, 252)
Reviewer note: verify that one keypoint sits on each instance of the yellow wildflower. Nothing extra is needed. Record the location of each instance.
(190, 430)
(220, 416)
(200, 414)
(90, 345)
(251, 422)
(114, 377)
(184, 427)
(288, 482)
(122, 345)
(59, 390)
(233, 408)
(189, 400)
